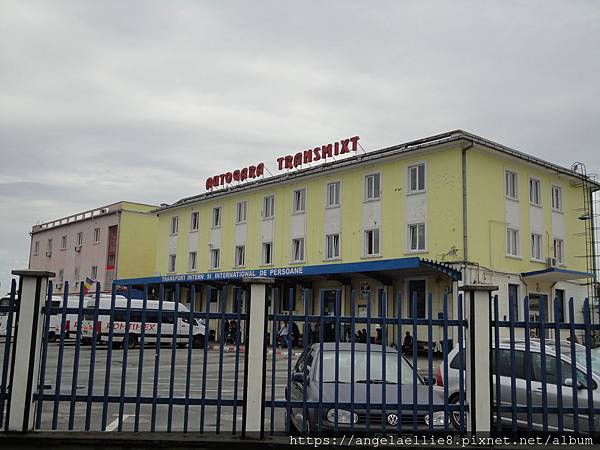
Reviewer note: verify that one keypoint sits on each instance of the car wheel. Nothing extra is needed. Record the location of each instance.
(455, 415)
(198, 342)
(132, 342)
(52, 336)
(181, 345)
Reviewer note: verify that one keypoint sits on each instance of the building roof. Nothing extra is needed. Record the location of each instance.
(406, 147)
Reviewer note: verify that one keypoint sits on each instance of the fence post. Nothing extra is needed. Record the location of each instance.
(256, 352)
(33, 285)
(478, 348)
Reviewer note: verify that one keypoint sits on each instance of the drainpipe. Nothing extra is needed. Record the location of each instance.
(464, 202)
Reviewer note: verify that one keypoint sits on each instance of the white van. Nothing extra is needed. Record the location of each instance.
(5, 301)
(168, 323)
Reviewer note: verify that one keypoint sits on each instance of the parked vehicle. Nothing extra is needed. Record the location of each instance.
(71, 320)
(377, 383)
(531, 367)
(52, 335)
(169, 324)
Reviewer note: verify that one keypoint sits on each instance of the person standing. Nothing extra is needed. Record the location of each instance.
(283, 335)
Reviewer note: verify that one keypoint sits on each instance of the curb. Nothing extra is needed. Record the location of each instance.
(233, 349)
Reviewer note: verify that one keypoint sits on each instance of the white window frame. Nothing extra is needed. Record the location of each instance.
(94, 273)
(513, 242)
(241, 212)
(36, 248)
(299, 201)
(194, 221)
(264, 253)
(215, 258)
(333, 245)
(79, 238)
(535, 191)
(61, 276)
(511, 182)
(171, 265)
(96, 235)
(376, 237)
(537, 251)
(174, 225)
(240, 256)
(370, 186)
(298, 250)
(557, 200)
(217, 217)
(333, 190)
(409, 177)
(49, 246)
(419, 246)
(77, 274)
(192, 261)
(268, 207)
(63, 242)
(558, 251)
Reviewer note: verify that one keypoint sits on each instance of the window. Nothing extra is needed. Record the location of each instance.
(535, 193)
(557, 201)
(416, 294)
(76, 274)
(192, 261)
(416, 178)
(372, 186)
(333, 194)
(240, 255)
(416, 237)
(512, 185)
(61, 275)
(174, 224)
(215, 256)
(269, 207)
(79, 238)
(216, 217)
(241, 212)
(172, 259)
(506, 364)
(559, 250)
(96, 235)
(372, 242)
(49, 248)
(512, 242)
(299, 200)
(513, 298)
(267, 253)
(536, 246)
(94, 274)
(36, 247)
(63, 243)
(332, 246)
(298, 249)
(195, 221)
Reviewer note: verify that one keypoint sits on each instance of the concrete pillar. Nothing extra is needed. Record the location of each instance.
(24, 374)
(256, 351)
(478, 348)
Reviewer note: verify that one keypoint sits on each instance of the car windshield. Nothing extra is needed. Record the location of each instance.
(581, 359)
(360, 368)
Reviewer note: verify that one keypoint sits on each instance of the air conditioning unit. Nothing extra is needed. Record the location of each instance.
(551, 262)
(78, 248)
(58, 285)
(48, 254)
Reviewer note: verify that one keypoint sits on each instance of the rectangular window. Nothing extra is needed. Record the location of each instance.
(195, 221)
(76, 275)
(535, 191)
(79, 238)
(240, 255)
(94, 274)
(557, 201)
(172, 260)
(96, 235)
(371, 242)
(298, 249)
(333, 194)
(215, 256)
(269, 207)
(267, 253)
(332, 246)
(192, 261)
(216, 217)
(61, 276)
(49, 248)
(416, 178)
(513, 298)
(416, 299)
(36, 247)
(536, 247)
(63, 243)
(299, 200)
(512, 242)
(416, 237)
(511, 185)
(372, 186)
(241, 212)
(174, 224)
(559, 250)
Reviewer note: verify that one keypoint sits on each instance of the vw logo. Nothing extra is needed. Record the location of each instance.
(392, 419)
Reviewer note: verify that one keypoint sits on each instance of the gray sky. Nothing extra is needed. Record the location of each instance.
(112, 100)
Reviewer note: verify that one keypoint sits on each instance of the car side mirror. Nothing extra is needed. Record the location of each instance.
(299, 378)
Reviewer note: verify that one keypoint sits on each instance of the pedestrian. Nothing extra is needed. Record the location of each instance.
(295, 334)
(407, 345)
(378, 337)
(283, 335)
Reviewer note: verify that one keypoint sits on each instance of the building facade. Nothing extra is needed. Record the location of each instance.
(102, 244)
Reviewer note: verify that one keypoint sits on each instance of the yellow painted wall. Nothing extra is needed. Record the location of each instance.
(137, 244)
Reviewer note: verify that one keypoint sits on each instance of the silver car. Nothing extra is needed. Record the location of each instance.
(533, 371)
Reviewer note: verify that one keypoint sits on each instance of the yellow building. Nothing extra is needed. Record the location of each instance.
(419, 218)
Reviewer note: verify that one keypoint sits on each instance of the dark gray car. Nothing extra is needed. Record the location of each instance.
(366, 385)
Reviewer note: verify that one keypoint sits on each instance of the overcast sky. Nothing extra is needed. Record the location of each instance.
(141, 100)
